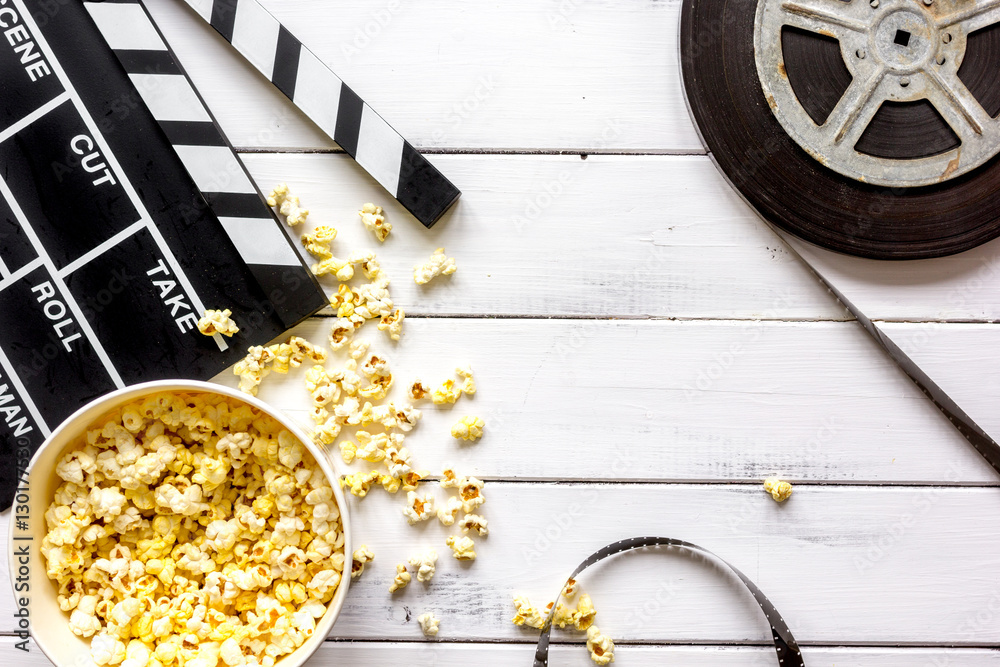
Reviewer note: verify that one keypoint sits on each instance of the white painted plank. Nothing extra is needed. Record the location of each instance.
(664, 400)
(442, 654)
(580, 76)
(842, 564)
(614, 236)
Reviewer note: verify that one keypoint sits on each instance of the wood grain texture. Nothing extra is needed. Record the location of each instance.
(443, 654)
(670, 401)
(610, 236)
(883, 565)
(554, 75)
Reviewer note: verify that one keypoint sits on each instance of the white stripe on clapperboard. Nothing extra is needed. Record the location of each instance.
(20, 273)
(93, 254)
(61, 285)
(126, 184)
(25, 396)
(33, 116)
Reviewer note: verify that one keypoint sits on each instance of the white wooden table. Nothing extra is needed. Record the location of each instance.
(646, 352)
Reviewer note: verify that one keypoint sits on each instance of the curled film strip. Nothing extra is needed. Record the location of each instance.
(785, 646)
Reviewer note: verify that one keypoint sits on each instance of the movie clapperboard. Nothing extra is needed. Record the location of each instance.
(125, 213)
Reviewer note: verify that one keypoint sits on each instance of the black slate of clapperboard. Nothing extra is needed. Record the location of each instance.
(58, 206)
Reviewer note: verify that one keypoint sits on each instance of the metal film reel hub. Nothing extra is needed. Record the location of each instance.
(896, 51)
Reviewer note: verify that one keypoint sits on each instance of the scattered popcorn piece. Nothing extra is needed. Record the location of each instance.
(468, 428)
(362, 556)
(418, 508)
(348, 451)
(426, 564)
(340, 334)
(469, 386)
(429, 624)
(450, 511)
(343, 269)
(602, 649)
(780, 491)
(418, 390)
(474, 522)
(438, 265)
(449, 479)
(393, 323)
(359, 483)
(583, 618)
(401, 580)
(526, 614)
(462, 548)
(446, 393)
(374, 221)
(470, 490)
(569, 590)
(288, 205)
(217, 321)
(318, 243)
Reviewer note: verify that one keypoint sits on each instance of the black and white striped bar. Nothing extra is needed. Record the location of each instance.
(209, 159)
(332, 105)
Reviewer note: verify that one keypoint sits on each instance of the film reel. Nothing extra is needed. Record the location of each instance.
(869, 127)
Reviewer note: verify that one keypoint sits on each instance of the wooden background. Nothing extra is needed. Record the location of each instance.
(646, 350)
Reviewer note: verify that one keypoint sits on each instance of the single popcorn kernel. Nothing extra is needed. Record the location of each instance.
(318, 243)
(418, 508)
(429, 624)
(374, 221)
(468, 428)
(526, 614)
(446, 393)
(438, 265)
(474, 522)
(362, 557)
(426, 565)
(288, 205)
(418, 391)
(217, 321)
(780, 491)
(401, 580)
(463, 548)
(602, 649)
(393, 323)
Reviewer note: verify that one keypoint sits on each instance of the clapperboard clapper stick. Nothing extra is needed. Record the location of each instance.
(266, 245)
(332, 105)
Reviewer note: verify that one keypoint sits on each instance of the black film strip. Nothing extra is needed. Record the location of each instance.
(785, 646)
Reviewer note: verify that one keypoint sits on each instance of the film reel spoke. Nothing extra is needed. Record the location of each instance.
(855, 109)
(956, 103)
(972, 18)
(821, 20)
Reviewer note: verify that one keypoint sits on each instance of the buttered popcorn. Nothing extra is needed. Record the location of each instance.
(362, 557)
(318, 242)
(278, 358)
(462, 548)
(602, 649)
(438, 265)
(288, 205)
(218, 322)
(780, 491)
(468, 428)
(426, 564)
(193, 531)
(401, 580)
(429, 624)
(374, 221)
